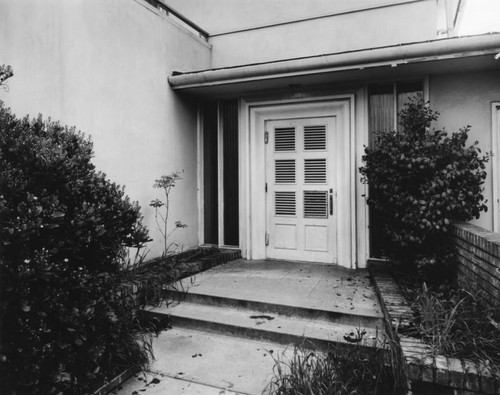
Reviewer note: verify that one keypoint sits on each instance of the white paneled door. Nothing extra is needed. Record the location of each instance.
(301, 189)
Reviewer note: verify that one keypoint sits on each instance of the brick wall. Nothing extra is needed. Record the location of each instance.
(478, 253)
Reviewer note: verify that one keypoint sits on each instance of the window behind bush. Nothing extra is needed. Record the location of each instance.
(385, 101)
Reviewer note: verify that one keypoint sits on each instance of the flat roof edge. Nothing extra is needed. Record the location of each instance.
(424, 51)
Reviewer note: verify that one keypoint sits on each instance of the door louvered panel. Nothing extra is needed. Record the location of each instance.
(285, 203)
(315, 138)
(284, 139)
(315, 171)
(284, 171)
(315, 204)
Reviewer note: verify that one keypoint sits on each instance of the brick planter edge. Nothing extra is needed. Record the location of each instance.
(463, 376)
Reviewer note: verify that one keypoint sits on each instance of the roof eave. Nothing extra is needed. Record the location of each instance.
(427, 51)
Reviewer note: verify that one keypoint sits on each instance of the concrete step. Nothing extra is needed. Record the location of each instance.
(278, 328)
(361, 316)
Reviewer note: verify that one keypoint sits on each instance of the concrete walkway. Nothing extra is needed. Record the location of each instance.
(237, 318)
(195, 362)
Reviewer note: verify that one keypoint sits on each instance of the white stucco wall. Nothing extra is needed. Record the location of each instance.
(102, 66)
(218, 16)
(465, 99)
(346, 31)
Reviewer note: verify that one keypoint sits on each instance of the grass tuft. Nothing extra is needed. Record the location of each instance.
(340, 371)
(456, 322)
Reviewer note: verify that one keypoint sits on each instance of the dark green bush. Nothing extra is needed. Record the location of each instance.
(420, 181)
(67, 321)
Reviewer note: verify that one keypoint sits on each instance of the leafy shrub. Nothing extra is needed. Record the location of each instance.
(420, 181)
(66, 319)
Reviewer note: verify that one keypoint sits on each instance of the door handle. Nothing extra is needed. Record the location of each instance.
(331, 201)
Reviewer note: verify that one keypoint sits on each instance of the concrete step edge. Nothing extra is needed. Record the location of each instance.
(336, 316)
(239, 323)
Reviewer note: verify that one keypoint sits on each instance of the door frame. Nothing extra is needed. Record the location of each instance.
(252, 173)
(495, 148)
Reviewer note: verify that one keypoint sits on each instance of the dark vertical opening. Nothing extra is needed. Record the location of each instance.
(381, 118)
(229, 116)
(210, 174)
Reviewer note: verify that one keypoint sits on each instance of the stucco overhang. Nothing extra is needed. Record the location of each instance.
(458, 54)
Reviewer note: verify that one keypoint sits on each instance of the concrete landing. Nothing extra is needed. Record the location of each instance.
(293, 288)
